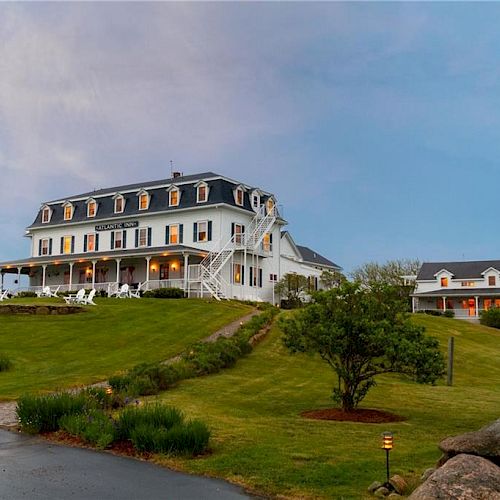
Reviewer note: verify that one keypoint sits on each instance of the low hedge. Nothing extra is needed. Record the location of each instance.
(491, 317)
(202, 358)
(165, 293)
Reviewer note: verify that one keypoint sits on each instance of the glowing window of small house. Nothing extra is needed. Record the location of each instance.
(444, 281)
(143, 201)
(492, 280)
(68, 212)
(91, 209)
(45, 215)
(173, 198)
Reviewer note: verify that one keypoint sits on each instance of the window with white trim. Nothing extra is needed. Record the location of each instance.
(91, 208)
(239, 197)
(237, 274)
(91, 242)
(255, 276)
(45, 215)
(173, 234)
(67, 244)
(117, 240)
(173, 198)
(119, 204)
(238, 233)
(143, 237)
(143, 201)
(201, 193)
(44, 247)
(68, 212)
(255, 200)
(202, 231)
(267, 242)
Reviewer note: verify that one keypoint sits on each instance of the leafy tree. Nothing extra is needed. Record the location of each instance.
(390, 273)
(292, 288)
(361, 333)
(331, 279)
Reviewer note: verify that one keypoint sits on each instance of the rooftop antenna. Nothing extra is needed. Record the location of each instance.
(171, 169)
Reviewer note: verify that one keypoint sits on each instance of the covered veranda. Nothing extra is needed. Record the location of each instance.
(142, 269)
(465, 304)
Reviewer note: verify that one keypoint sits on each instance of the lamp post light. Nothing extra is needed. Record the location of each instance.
(387, 444)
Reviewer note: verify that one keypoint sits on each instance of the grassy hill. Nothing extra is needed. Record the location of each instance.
(261, 441)
(51, 352)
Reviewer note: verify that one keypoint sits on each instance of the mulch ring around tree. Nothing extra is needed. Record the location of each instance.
(362, 415)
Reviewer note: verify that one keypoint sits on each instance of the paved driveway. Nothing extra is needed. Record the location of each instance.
(31, 468)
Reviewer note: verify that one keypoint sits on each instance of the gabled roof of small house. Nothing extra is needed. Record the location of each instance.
(459, 270)
(221, 191)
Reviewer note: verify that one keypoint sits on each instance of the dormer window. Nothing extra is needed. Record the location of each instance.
(119, 204)
(202, 193)
(269, 205)
(239, 194)
(46, 213)
(91, 208)
(143, 200)
(492, 281)
(68, 211)
(255, 200)
(444, 282)
(173, 197)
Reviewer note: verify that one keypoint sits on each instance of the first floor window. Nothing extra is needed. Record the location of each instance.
(90, 243)
(143, 237)
(68, 242)
(44, 247)
(273, 277)
(256, 276)
(174, 234)
(267, 242)
(118, 240)
(238, 271)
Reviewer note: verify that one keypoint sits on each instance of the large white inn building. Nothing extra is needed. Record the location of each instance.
(206, 234)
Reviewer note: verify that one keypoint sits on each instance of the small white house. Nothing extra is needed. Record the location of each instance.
(467, 288)
(206, 233)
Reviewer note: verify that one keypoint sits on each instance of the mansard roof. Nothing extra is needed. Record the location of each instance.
(220, 192)
(459, 270)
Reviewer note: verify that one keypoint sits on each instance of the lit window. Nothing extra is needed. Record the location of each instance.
(239, 196)
(468, 283)
(68, 212)
(45, 247)
(173, 198)
(67, 244)
(269, 205)
(492, 280)
(91, 209)
(46, 215)
(143, 237)
(119, 205)
(444, 282)
(267, 243)
(173, 238)
(143, 201)
(90, 242)
(201, 193)
(118, 240)
(202, 231)
(237, 278)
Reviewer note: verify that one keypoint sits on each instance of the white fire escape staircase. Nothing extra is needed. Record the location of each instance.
(211, 266)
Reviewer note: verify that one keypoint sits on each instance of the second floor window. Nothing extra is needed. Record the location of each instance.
(267, 242)
(44, 247)
(67, 244)
(174, 234)
(91, 209)
(119, 204)
(202, 231)
(118, 240)
(492, 280)
(90, 242)
(143, 237)
(202, 193)
(444, 281)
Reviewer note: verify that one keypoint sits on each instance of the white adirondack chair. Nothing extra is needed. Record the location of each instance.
(123, 293)
(134, 294)
(89, 300)
(4, 295)
(72, 299)
(55, 292)
(44, 292)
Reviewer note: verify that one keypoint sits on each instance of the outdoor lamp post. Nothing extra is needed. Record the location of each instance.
(387, 444)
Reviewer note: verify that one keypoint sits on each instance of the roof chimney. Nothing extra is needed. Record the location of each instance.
(176, 174)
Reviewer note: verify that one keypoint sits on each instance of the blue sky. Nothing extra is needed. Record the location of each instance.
(377, 125)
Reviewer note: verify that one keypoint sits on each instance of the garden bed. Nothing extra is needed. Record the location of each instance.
(363, 415)
(39, 309)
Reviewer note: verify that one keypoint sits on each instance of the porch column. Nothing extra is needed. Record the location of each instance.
(186, 267)
(444, 304)
(476, 298)
(148, 260)
(44, 272)
(118, 271)
(94, 262)
(70, 284)
(412, 304)
(1, 274)
(19, 269)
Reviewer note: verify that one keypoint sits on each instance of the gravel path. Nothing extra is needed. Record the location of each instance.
(8, 417)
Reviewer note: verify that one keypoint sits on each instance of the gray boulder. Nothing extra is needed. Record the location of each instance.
(463, 477)
(484, 443)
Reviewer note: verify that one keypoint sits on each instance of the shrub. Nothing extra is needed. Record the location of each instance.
(26, 294)
(491, 317)
(5, 363)
(164, 293)
(42, 413)
(449, 313)
(155, 416)
(94, 427)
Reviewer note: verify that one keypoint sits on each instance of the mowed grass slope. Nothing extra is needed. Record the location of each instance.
(52, 352)
(261, 441)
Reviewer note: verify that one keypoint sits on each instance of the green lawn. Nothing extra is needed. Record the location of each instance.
(260, 440)
(52, 352)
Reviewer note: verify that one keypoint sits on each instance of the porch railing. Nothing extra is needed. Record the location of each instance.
(156, 284)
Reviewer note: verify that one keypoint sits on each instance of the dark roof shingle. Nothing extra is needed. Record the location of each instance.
(460, 270)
